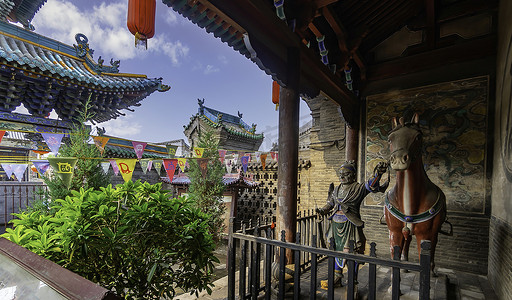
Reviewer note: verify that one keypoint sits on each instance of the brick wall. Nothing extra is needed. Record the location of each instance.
(500, 258)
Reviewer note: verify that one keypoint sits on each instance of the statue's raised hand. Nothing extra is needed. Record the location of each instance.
(382, 167)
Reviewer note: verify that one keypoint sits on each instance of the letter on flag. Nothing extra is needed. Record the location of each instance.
(263, 158)
(41, 166)
(203, 166)
(139, 147)
(170, 167)
(158, 165)
(53, 140)
(114, 166)
(64, 167)
(126, 167)
(198, 152)
(100, 142)
(171, 150)
(182, 162)
(245, 162)
(144, 163)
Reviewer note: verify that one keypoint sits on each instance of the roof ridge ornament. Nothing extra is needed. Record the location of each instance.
(83, 51)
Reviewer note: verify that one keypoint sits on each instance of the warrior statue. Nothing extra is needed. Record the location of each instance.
(343, 205)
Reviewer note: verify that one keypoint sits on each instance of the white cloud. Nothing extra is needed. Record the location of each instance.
(223, 59)
(171, 17)
(123, 127)
(210, 69)
(105, 27)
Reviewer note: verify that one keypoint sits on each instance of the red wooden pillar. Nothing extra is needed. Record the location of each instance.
(288, 150)
(352, 142)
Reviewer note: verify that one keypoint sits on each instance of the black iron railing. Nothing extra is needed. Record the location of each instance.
(16, 196)
(257, 256)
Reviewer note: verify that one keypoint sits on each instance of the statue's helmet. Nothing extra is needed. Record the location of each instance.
(347, 172)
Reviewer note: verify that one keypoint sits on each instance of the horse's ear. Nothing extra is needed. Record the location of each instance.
(401, 121)
(415, 119)
(394, 124)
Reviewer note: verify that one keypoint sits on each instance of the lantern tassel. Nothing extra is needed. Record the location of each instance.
(141, 40)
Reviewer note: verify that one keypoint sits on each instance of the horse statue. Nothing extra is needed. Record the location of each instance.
(415, 205)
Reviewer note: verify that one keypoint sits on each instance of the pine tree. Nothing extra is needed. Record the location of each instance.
(207, 191)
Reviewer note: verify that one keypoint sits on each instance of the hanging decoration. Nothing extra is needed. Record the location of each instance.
(348, 77)
(182, 163)
(158, 165)
(105, 165)
(141, 20)
(263, 158)
(170, 167)
(275, 93)
(52, 140)
(64, 167)
(245, 161)
(2, 132)
(114, 166)
(222, 155)
(203, 166)
(7, 169)
(41, 166)
(139, 147)
(274, 156)
(126, 167)
(150, 164)
(19, 170)
(198, 152)
(230, 162)
(100, 142)
(323, 50)
(144, 163)
(171, 150)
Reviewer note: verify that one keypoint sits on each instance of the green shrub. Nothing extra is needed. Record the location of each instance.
(132, 239)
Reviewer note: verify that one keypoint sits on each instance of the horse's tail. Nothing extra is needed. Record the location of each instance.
(406, 232)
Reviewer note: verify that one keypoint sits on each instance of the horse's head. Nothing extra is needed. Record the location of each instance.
(404, 142)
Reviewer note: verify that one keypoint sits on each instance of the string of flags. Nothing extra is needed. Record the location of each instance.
(64, 166)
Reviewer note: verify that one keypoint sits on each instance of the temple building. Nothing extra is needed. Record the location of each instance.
(231, 132)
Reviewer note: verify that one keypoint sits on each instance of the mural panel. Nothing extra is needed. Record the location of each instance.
(453, 118)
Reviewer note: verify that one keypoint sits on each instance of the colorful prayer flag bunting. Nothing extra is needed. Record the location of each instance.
(19, 170)
(150, 164)
(41, 166)
(144, 163)
(230, 162)
(198, 152)
(100, 142)
(222, 155)
(245, 162)
(64, 167)
(105, 165)
(7, 169)
(2, 132)
(114, 166)
(182, 163)
(203, 165)
(170, 167)
(126, 167)
(274, 155)
(171, 150)
(263, 158)
(158, 165)
(52, 140)
(139, 147)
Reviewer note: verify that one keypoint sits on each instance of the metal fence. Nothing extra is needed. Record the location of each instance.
(260, 258)
(16, 196)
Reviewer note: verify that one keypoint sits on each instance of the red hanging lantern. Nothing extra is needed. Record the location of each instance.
(141, 20)
(275, 93)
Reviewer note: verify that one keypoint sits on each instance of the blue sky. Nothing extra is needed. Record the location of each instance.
(194, 63)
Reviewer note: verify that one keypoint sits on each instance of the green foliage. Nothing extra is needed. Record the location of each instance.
(132, 239)
(207, 192)
(88, 172)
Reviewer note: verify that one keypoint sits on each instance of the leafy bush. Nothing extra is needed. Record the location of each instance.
(132, 239)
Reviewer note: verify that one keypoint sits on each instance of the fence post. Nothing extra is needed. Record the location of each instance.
(282, 265)
(243, 260)
(231, 260)
(425, 270)
(312, 293)
(372, 274)
(269, 258)
(351, 272)
(330, 272)
(255, 260)
(395, 285)
(296, 274)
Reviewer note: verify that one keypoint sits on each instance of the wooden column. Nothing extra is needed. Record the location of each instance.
(352, 142)
(288, 151)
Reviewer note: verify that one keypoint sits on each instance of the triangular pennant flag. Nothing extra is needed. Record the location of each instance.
(222, 155)
(52, 140)
(182, 162)
(229, 164)
(158, 165)
(40, 152)
(7, 169)
(126, 167)
(41, 166)
(263, 158)
(100, 142)
(245, 162)
(170, 167)
(144, 164)
(198, 152)
(171, 150)
(240, 154)
(235, 158)
(203, 165)
(150, 164)
(64, 167)
(139, 147)
(2, 132)
(258, 155)
(114, 166)
(105, 165)
(19, 170)
(274, 155)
